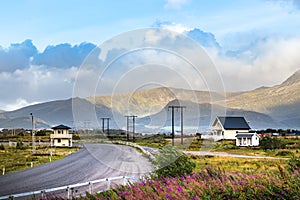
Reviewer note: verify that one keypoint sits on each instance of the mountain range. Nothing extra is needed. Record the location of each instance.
(265, 107)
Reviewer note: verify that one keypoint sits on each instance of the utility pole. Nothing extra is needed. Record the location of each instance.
(127, 127)
(173, 121)
(32, 133)
(107, 124)
(181, 124)
(133, 125)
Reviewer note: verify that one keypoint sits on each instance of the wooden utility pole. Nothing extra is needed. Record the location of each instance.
(133, 125)
(107, 124)
(32, 133)
(173, 121)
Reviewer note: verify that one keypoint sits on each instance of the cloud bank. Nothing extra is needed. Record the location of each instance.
(28, 76)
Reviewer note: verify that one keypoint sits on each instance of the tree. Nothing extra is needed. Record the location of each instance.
(172, 162)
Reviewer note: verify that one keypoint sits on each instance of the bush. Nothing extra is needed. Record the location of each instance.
(172, 162)
(284, 153)
(272, 143)
(41, 133)
(294, 163)
(2, 147)
(21, 146)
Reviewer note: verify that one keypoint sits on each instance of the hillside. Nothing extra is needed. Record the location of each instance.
(282, 102)
(201, 115)
(265, 107)
(57, 112)
(148, 102)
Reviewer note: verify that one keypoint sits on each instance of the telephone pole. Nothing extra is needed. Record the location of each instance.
(133, 125)
(173, 121)
(32, 133)
(107, 124)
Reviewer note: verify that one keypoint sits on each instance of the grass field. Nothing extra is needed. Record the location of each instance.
(13, 159)
(238, 164)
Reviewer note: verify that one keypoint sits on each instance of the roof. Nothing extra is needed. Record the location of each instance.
(234, 123)
(60, 127)
(244, 135)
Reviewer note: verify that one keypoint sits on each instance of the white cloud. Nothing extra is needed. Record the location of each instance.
(175, 4)
(35, 84)
(266, 63)
(19, 103)
(177, 27)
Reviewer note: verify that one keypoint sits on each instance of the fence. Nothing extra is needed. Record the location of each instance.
(70, 191)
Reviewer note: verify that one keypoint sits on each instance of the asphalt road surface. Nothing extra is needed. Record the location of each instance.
(95, 161)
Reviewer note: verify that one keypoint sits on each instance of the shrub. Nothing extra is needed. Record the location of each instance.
(20, 145)
(284, 153)
(172, 162)
(272, 143)
(41, 133)
(294, 163)
(2, 147)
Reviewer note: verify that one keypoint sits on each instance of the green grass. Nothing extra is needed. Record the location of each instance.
(238, 164)
(14, 159)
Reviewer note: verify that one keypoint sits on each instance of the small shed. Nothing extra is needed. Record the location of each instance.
(61, 136)
(247, 139)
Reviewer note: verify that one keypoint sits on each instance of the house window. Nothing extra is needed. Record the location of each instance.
(59, 131)
(58, 140)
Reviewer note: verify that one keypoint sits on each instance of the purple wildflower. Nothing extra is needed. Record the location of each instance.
(179, 189)
(168, 196)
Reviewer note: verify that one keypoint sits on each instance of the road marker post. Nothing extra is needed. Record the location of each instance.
(90, 187)
(108, 184)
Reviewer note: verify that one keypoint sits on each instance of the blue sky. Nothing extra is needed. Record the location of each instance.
(54, 22)
(259, 40)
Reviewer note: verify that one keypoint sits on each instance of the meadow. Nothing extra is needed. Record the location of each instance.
(14, 159)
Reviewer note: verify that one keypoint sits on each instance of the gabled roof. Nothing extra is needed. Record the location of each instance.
(60, 127)
(234, 123)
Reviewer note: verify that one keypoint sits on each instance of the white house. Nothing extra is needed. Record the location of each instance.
(247, 139)
(227, 127)
(61, 136)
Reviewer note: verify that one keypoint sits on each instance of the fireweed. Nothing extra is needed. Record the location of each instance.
(212, 184)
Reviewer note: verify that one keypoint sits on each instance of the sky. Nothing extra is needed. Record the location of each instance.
(251, 43)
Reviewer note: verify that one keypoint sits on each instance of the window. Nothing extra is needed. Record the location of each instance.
(59, 131)
(58, 140)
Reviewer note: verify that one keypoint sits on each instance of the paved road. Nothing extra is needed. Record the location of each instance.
(95, 161)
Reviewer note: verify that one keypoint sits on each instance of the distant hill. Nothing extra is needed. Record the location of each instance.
(148, 102)
(281, 102)
(201, 115)
(264, 107)
(57, 112)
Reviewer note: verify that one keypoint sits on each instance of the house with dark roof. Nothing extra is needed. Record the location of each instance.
(61, 136)
(228, 127)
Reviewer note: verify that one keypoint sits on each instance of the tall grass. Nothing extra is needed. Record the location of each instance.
(212, 183)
